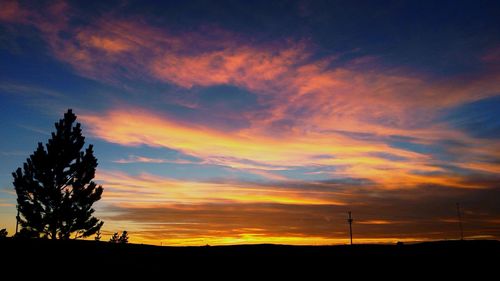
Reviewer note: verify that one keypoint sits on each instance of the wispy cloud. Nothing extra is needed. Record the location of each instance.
(27, 90)
(249, 150)
(216, 222)
(112, 49)
(142, 159)
(13, 12)
(149, 190)
(13, 153)
(34, 129)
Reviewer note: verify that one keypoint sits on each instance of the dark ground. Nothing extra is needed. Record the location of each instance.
(454, 256)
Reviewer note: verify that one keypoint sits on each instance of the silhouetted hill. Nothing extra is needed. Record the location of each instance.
(442, 254)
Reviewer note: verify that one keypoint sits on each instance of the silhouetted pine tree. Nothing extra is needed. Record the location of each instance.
(115, 238)
(123, 238)
(55, 191)
(119, 239)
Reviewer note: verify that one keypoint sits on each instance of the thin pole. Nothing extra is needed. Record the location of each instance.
(349, 220)
(459, 215)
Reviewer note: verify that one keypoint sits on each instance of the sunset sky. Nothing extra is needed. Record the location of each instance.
(223, 122)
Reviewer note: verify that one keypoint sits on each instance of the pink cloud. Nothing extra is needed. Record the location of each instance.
(292, 85)
(260, 154)
(492, 56)
(282, 73)
(11, 12)
(244, 66)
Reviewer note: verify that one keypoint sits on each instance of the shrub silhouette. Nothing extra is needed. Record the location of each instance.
(119, 239)
(123, 238)
(55, 191)
(98, 236)
(3, 233)
(26, 233)
(114, 238)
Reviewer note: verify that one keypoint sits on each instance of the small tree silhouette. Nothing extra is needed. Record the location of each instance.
(3, 233)
(98, 236)
(123, 238)
(119, 239)
(55, 191)
(114, 238)
(26, 233)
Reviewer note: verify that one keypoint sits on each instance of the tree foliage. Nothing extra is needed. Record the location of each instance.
(119, 239)
(123, 238)
(55, 191)
(98, 236)
(114, 238)
(26, 233)
(3, 233)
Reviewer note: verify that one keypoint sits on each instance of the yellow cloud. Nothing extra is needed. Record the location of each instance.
(146, 190)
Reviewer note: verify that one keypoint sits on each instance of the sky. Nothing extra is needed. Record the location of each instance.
(232, 122)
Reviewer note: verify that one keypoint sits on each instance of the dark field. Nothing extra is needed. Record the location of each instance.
(457, 256)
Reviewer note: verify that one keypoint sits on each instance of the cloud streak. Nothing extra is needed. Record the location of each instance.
(249, 151)
(403, 215)
(124, 188)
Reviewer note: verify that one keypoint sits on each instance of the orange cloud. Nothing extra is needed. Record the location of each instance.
(262, 154)
(108, 44)
(228, 222)
(244, 66)
(316, 94)
(146, 190)
(376, 222)
(289, 82)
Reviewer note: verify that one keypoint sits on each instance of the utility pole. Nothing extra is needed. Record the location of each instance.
(459, 215)
(349, 220)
